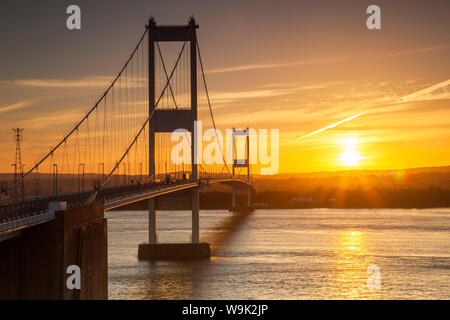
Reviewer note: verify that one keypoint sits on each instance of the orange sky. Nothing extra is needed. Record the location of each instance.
(298, 77)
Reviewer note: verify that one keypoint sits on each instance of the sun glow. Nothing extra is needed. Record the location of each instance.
(350, 156)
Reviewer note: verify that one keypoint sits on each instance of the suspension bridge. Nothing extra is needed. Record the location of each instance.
(120, 152)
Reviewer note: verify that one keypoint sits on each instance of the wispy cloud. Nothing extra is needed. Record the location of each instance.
(415, 51)
(96, 81)
(251, 67)
(276, 65)
(224, 97)
(262, 66)
(85, 82)
(434, 92)
(267, 91)
(299, 86)
(15, 106)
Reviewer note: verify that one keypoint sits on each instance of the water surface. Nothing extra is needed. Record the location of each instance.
(286, 254)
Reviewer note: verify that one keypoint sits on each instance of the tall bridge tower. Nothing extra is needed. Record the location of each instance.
(167, 121)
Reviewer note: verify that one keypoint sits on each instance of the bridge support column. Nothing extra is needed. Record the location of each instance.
(241, 200)
(152, 238)
(233, 197)
(170, 251)
(195, 216)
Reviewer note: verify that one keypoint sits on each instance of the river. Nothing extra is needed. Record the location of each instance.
(287, 254)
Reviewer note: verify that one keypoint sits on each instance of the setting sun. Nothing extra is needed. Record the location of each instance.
(350, 156)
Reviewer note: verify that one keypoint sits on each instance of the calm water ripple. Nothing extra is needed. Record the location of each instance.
(287, 254)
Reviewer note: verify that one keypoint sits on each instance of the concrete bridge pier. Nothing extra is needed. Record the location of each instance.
(152, 238)
(195, 219)
(195, 216)
(170, 251)
(40, 262)
(241, 199)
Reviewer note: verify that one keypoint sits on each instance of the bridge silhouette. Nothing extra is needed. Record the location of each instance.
(121, 152)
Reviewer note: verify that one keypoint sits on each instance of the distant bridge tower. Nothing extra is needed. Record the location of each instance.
(241, 163)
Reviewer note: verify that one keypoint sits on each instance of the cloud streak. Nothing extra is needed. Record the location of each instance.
(434, 92)
(276, 65)
(15, 106)
(86, 82)
(331, 126)
(250, 67)
(415, 51)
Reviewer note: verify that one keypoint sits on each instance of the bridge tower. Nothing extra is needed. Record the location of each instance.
(241, 163)
(168, 120)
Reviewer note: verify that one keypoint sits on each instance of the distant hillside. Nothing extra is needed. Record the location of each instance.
(415, 178)
(366, 172)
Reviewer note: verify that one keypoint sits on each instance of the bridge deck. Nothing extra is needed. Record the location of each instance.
(17, 216)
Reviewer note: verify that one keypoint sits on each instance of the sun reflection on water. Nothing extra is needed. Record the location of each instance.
(352, 259)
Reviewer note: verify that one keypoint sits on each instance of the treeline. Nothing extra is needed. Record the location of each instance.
(432, 197)
(337, 198)
(420, 178)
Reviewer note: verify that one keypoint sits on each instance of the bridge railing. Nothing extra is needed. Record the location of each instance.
(25, 221)
(35, 206)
